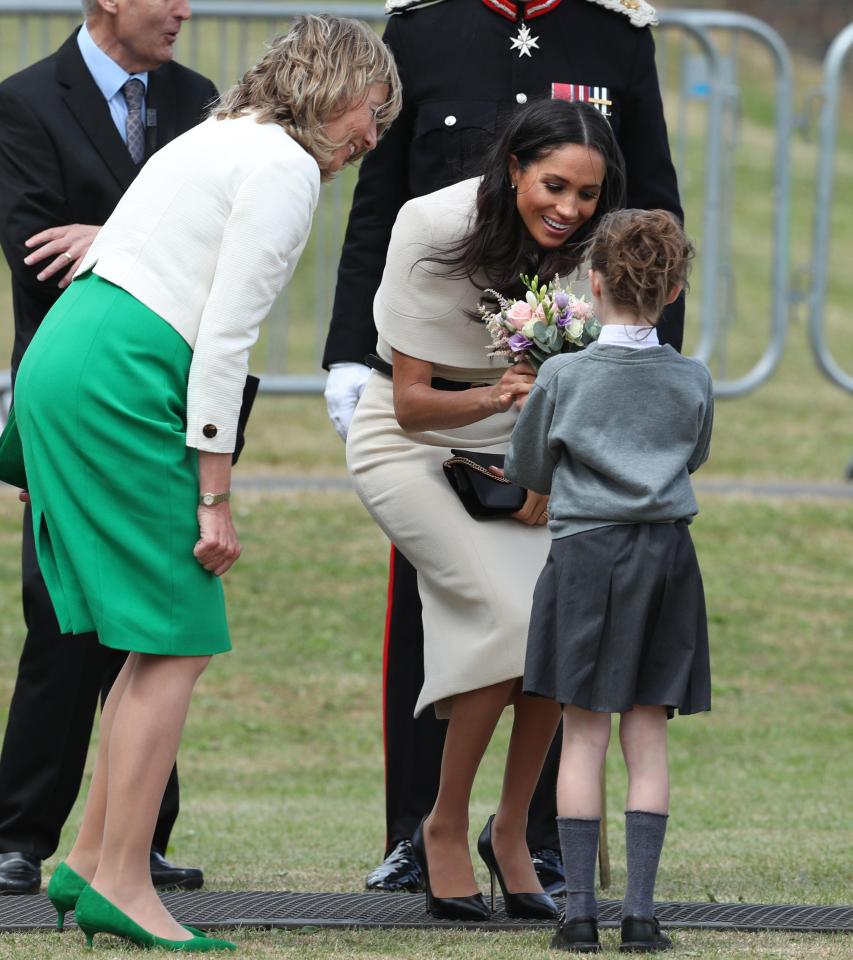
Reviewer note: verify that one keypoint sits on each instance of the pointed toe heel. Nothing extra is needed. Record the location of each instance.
(528, 906)
(471, 908)
(64, 890)
(96, 914)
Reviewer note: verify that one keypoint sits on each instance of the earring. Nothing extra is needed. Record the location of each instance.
(513, 187)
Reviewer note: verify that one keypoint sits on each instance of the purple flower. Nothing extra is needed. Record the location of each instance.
(561, 299)
(518, 343)
(564, 319)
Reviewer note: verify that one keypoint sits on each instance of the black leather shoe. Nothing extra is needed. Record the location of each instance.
(579, 936)
(399, 872)
(641, 935)
(531, 906)
(447, 908)
(19, 873)
(548, 865)
(166, 876)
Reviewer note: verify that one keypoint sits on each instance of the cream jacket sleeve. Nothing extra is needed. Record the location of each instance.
(264, 235)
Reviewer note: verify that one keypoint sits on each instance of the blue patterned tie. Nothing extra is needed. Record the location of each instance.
(133, 92)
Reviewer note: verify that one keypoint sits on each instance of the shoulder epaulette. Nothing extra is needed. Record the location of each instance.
(640, 13)
(400, 6)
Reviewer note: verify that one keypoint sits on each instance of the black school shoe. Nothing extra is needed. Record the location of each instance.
(579, 936)
(641, 935)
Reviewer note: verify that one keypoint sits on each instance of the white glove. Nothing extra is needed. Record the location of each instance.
(344, 387)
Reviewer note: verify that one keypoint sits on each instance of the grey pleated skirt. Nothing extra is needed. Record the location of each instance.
(619, 620)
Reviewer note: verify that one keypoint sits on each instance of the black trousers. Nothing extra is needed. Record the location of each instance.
(413, 747)
(60, 678)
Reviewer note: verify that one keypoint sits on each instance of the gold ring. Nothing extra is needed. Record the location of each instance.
(67, 256)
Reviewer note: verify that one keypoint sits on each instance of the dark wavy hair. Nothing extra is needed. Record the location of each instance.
(499, 245)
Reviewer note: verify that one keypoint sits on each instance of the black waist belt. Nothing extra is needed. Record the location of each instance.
(376, 363)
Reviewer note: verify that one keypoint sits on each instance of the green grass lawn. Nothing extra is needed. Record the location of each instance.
(282, 760)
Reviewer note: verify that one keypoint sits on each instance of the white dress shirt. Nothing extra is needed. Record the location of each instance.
(207, 236)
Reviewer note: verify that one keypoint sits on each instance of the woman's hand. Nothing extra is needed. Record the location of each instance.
(534, 511)
(217, 548)
(513, 387)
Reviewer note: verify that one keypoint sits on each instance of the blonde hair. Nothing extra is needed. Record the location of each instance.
(642, 256)
(319, 69)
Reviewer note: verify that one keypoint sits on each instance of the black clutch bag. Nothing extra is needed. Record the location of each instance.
(250, 391)
(484, 496)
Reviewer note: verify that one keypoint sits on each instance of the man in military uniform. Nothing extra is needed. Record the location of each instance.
(465, 65)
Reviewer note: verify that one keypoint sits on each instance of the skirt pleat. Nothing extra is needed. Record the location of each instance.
(619, 620)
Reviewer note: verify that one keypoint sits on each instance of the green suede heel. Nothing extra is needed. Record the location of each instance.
(64, 890)
(95, 914)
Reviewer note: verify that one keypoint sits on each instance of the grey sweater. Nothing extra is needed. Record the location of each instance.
(611, 433)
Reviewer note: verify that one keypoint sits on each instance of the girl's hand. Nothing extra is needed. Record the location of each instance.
(535, 509)
(217, 548)
(513, 387)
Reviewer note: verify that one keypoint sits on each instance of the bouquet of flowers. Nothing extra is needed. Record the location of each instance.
(550, 319)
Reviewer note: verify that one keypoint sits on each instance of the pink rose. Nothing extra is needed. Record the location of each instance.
(518, 314)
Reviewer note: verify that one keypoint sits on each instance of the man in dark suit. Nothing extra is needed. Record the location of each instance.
(465, 64)
(73, 135)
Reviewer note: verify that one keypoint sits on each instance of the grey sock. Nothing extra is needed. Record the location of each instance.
(644, 834)
(579, 846)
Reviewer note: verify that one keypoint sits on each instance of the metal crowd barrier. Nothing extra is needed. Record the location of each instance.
(839, 51)
(223, 38)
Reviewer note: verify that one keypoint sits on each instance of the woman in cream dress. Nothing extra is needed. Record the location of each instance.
(549, 178)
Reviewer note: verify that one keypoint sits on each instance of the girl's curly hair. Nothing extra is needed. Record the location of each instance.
(642, 256)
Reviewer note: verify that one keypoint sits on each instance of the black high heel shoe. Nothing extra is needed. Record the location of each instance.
(531, 906)
(446, 908)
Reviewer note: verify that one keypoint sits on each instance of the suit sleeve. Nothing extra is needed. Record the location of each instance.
(530, 461)
(383, 187)
(652, 183)
(32, 193)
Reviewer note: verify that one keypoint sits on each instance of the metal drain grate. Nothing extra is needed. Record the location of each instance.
(295, 910)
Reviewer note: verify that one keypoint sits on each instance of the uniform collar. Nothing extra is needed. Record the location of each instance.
(625, 335)
(522, 11)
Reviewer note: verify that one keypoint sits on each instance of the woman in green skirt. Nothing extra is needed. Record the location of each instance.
(127, 402)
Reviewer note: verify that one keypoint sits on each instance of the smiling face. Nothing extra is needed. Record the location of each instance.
(138, 34)
(355, 129)
(557, 194)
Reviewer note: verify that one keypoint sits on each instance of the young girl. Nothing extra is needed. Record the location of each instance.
(618, 623)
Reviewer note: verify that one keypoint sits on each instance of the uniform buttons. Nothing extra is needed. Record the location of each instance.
(521, 98)
(449, 121)
(209, 430)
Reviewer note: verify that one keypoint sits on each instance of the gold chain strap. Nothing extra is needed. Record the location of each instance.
(475, 466)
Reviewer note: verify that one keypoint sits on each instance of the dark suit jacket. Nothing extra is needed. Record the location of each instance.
(460, 79)
(63, 161)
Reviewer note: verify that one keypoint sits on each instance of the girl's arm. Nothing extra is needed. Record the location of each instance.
(703, 444)
(418, 407)
(530, 461)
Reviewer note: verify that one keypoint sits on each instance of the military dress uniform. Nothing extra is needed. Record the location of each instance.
(465, 66)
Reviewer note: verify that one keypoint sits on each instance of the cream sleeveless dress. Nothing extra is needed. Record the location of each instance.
(476, 578)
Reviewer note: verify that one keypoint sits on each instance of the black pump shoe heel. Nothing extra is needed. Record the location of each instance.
(446, 908)
(530, 906)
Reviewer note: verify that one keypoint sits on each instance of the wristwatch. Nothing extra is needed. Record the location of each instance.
(209, 499)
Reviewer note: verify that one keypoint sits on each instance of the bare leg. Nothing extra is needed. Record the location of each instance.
(586, 736)
(473, 717)
(533, 729)
(642, 732)
(145, 733)
(86, 852)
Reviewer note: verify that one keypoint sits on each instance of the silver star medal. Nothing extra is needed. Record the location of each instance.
(524, 43)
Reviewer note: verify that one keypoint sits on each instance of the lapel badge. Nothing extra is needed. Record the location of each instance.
(598, 97)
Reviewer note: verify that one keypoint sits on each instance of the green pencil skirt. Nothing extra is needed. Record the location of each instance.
(100, 401)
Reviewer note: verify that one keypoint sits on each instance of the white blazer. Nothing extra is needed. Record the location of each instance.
(207, 236)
